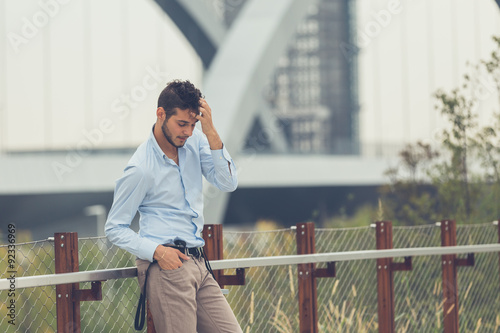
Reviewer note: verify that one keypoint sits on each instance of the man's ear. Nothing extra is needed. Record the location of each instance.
(160, 113)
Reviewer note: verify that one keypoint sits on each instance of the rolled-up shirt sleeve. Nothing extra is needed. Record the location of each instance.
(218, 167)
(130, 191)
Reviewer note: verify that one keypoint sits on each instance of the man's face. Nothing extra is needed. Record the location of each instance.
(179, 127)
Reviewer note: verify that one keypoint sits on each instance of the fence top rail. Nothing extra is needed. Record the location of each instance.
(127, 272)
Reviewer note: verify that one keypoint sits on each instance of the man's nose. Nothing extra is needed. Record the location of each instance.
(188, 132)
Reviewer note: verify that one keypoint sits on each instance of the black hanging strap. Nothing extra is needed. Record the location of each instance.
(140, 314)
(207, 263)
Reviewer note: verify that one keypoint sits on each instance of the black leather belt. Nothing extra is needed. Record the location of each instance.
(194, 251)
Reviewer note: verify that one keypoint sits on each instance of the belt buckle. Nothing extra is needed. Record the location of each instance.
(195, 252)
(181, 246)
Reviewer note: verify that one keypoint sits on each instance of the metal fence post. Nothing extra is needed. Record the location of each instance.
(66, 260)
(214, 250)
(385, 278)
(69, 296)
(449, 268)
(307, 274)
(450, 292)
(212, 234)
(308, 302)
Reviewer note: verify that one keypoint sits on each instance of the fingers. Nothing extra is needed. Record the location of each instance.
(204, 116)
(196, 115)
(169, 265)
(203, 103)
(202, 112)
(172, 259)
(204, 107)
(182, 255)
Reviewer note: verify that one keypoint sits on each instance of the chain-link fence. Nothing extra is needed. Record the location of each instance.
(268, 302)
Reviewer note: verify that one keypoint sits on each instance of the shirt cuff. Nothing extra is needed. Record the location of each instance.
(221, 157)
(147, 249)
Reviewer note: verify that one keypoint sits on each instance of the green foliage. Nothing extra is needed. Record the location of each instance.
(410, 199)
(461, 179)
(359, 219)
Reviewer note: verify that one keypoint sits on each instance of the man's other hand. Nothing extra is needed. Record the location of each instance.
(169, 258)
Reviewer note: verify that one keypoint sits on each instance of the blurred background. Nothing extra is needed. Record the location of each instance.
(314, 99)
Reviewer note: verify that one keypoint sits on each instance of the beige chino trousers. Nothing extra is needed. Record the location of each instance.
(186, 299)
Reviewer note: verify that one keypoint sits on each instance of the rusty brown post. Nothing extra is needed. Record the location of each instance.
(66, 260)
(214, 250)
(449, 265)
(385, 278)
(307, 275)
(69, 296)
(212, 234)
(450, 287)
(308, 303)
(385, 285)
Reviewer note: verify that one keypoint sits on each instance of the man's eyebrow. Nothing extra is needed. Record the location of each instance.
(185, 122)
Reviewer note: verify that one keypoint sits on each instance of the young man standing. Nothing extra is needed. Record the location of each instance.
(163, 181)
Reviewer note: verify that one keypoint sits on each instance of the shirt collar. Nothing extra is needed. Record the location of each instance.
(155, 144)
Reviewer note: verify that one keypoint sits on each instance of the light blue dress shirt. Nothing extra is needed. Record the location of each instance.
(168, 196)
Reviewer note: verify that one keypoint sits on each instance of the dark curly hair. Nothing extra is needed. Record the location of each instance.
(179, 94)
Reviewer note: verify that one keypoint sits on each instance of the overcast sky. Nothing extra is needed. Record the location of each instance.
(96, 66)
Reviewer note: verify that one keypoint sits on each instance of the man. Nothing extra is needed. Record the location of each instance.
(163, 181)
